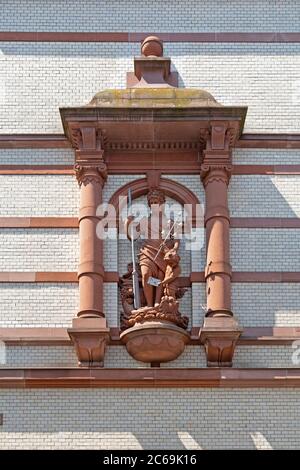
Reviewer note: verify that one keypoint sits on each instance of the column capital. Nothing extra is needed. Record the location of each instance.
(215, 172)
(89, 141)
(91, 172)
(218, 139)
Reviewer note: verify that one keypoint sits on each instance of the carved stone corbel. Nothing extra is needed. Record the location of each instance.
(219, 336)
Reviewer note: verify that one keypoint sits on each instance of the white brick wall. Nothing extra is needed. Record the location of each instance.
(193, 183)
(259, 15)
(115, 182)
(118, 357)
(270, 304)
(244, 357)
(264, 196)
(55, 304)
(66, 157)
(198, 302)
(38, 196)
(150, 419)
(39, 250)
(58, 195)
(110, 251)
(63, 356)
(110, 303)
(248, 75)
(266, 156)
(38, 78)
(265, 249)
(36, 156)
(38, 304)
(49, 304)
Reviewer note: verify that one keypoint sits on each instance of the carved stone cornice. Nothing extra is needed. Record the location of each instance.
(166, 145)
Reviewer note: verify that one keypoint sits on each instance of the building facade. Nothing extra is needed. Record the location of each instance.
(80, 97)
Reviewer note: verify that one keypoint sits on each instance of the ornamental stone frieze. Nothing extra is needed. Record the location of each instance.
(154, 117)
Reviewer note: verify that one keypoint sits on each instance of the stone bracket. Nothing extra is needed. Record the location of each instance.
(219, 336)
(90, 337)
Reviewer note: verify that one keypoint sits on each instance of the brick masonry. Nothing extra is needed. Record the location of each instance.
(58, 195)
(265, 196)
(39, 250)
(38, 304)
(66, 157)
(268, 304)
(38, 78)
(51, 304)
(260, 15)
(117, 356)
(36, 157)
(266, 156)
(265, 250)
(150, 419)
(38, 195)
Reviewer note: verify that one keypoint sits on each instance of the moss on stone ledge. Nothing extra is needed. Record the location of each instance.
(154, 98)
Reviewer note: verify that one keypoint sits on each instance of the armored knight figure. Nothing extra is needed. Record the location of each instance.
(151, 256)
(159, 264)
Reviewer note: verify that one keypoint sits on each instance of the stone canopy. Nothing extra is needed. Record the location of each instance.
(152, 109)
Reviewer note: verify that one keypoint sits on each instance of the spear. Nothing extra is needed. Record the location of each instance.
(135, 275)
(168, 234)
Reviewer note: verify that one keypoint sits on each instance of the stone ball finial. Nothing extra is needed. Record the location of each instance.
(152, 46)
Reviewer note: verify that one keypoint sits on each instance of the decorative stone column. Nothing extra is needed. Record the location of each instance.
(220, 329)
(90, 333)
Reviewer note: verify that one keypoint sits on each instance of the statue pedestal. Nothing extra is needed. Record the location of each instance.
(219, 336)
(155, 341)
(89, 336)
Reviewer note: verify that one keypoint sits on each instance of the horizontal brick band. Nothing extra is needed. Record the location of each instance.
(252, 37)
(148, 378)
(72, 222)
(49, 277)
(266, 277)
(34, 140)
(271, 141)
(36, 170)
(247, 276)
(38, 222)
(266, 169)
(262, 222)
(59, 336)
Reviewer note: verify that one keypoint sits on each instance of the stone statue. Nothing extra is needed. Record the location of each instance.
(159, 267)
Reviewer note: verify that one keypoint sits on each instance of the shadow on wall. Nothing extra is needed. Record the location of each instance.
(266, 197)
(149, 418)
